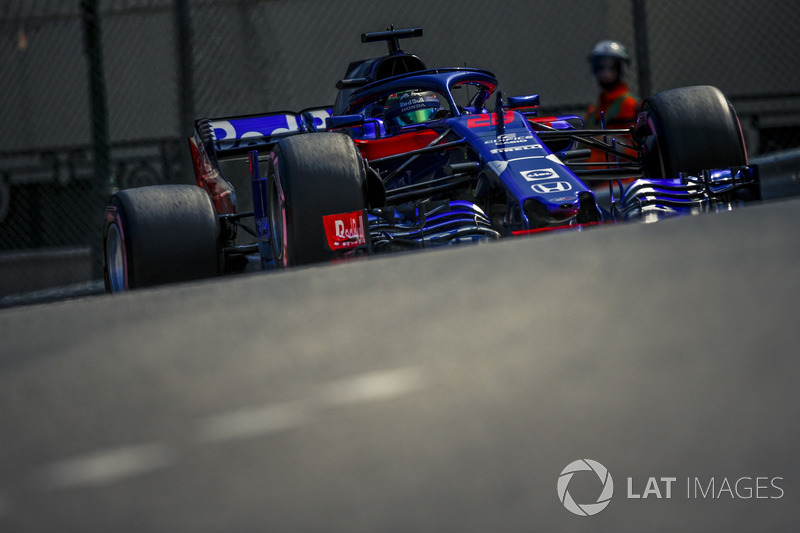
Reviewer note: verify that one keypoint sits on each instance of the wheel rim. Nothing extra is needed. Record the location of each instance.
(659, 148)
(277, 222)
(115, 260)
(653, 145)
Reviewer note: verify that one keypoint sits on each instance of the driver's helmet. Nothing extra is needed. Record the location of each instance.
(411, 107)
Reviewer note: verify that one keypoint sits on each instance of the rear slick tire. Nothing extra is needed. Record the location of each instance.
(159, 234)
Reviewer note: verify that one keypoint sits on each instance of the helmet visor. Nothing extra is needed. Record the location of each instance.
(415, 117)
(411, 107)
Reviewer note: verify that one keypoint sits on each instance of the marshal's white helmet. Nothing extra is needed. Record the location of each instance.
(610, 49)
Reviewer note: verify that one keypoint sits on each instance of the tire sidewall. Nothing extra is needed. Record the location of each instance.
(114, 220)
(656, 145)
(279, 210)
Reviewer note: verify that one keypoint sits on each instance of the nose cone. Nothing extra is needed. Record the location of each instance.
(564, 209)
(545, 211)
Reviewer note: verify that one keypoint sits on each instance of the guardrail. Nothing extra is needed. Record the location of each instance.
(779, 173)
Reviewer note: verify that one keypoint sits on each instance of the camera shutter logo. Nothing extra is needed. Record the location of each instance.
(585, 509)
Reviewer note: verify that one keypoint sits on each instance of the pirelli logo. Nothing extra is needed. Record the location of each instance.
(517, 148)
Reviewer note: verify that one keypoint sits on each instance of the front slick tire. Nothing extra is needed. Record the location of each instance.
(691, 129)
(310, 176)
(159, 234)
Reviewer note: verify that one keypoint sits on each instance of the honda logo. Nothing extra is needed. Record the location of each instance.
(551, 187)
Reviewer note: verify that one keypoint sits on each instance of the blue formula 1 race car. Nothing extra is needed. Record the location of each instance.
(410, 157)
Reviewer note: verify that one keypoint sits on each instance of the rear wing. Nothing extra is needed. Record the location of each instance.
(247, 132)
(218, 144)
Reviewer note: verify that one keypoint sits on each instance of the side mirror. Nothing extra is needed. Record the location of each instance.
(350, 83)
(344, 121)
(522, 102)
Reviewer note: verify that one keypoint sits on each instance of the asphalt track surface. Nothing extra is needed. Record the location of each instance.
(441, 391)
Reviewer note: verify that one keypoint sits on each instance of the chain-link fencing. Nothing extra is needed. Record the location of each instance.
(101, 95)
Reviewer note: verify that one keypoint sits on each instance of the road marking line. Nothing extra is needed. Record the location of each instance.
(374, 386)
(253, 422)
(115, 464)
(270, 419)
(106, 466)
